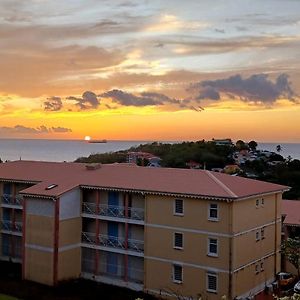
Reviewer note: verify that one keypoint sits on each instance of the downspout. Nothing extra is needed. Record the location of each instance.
(230, 250)
(275, 239)
(56, 241)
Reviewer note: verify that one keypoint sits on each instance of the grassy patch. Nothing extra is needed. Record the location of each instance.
(5, 297)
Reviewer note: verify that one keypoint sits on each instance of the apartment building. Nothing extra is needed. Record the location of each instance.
(164, 231)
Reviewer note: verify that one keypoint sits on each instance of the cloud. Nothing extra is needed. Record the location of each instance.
(143, 99)
(256, 88)
(61, 129)
(53, 104)
(20, 129)
(89, 100)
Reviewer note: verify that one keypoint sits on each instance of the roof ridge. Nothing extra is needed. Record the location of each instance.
(221, 184)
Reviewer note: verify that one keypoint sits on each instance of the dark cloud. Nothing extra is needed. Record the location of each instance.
(144, 99)
(20, 129)
(219, 30)
(257, 88)
(53, 104)
(88, 100)
(61, 129)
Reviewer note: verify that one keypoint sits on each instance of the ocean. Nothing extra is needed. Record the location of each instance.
(69, 150)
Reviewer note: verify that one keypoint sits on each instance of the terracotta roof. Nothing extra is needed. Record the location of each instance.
(291, 208)
(120, 176)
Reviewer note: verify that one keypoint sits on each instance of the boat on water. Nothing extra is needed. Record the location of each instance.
(97, 141)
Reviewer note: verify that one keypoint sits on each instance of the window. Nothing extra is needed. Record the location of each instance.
(257, 203)
(257, 236)
(177, 273)
(262, 233)
(212, 282)
(262, 202)
(256, 269)
(212, 247)
(262, 266)
(178, 207)
(213, 214)
(178, 240)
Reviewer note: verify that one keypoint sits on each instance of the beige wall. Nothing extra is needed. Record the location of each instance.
(193, 285)
(160, 244)
(69, 264)
(247, 215)
(69, 232)
(39, 266)
(160, 210)
(40, 230)
(247, 279)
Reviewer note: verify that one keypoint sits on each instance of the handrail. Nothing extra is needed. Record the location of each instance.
(114, 211)
(113, 242)
(12, 200)
(11, 226)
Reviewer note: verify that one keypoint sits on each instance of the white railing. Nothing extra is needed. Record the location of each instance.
(11, 226)
(113, 242)
(111, 270)
(12, 200)
(114, 211)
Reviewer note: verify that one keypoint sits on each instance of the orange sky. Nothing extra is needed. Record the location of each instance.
(150, 71)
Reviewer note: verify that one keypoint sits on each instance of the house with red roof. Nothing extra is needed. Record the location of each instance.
(290, 226)
(194, 233)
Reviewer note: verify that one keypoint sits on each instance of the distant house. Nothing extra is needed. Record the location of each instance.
(290, 226)
(231, 169)
(223, 142)
(193, 165)
(133, 157)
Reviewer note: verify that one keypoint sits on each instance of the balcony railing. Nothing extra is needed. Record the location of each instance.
(114, 211)
(113, 242)
(11, 226)
(12, 200)
(133, 274)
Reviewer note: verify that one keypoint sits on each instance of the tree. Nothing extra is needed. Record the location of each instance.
(252, 145)
(278, 148)
(241, 145)
(291, 250)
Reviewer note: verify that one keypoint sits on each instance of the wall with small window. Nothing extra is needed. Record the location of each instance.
(183, 212)
(185, 280)
(252, 244)
(253, 277)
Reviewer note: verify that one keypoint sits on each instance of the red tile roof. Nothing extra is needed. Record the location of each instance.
(119, 176)
(291, 208)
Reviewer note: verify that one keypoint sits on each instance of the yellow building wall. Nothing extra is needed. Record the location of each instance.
(69, 232)
(160, 243)
(193, 285)
(160, 210)
(40, 230)
(69, 264)
(39, 266)
(247, 279)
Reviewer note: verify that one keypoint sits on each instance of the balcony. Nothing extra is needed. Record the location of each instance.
(136, 214)
(12, 201)
(113, 242)
(13, 227)
(132, 274)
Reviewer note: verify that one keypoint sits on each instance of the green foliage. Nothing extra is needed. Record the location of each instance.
(105, 158)
(291, 250)
(293, 297)
(252, 145)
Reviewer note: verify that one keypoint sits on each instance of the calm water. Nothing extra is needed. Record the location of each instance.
(62, 150)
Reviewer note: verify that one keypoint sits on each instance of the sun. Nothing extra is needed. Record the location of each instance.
(87, 138)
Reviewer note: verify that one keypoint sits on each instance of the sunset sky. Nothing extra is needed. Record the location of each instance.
(150, 70)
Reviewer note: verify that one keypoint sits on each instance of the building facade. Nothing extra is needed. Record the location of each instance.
(169, 232)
